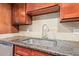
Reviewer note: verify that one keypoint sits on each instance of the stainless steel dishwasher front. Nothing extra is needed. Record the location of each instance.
(6, 49)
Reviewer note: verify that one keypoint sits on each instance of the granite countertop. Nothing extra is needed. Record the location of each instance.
(40, 48)
(59, 50)
(14, 38)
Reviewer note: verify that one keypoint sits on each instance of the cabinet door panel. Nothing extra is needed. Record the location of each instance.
(69, 11)
(29, 52)
(19, 14)
(5, 18)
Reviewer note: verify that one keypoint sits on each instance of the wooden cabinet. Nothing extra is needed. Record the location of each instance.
(41, 8)
(22, 51)
(5, 18)
(17, 55)
(38, 53)
(18, 50)
(69, 12)
(36, 6)
(19, 14)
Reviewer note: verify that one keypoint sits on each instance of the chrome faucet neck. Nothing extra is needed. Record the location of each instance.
(45, 29)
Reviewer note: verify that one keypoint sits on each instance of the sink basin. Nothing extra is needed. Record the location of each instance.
(41, 42)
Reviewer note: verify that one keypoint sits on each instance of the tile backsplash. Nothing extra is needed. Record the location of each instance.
(57, 30)
(8, 35)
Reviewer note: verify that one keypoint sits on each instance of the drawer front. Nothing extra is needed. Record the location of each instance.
(22, 51)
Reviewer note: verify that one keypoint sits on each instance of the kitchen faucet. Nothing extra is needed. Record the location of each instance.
(45, 29)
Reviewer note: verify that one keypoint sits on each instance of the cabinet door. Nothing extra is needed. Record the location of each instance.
(41, 8)
(69, 11)
(5, 18)
(28, 52)
(19, 14)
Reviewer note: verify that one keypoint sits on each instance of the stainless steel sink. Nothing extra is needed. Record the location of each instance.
(38, 41)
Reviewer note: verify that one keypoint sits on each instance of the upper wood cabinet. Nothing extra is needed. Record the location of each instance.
(41, 8)
(69, 12)
(5, 18)
(19, 14)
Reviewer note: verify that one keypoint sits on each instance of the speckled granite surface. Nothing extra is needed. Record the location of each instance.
(14, 38)
(63, 47)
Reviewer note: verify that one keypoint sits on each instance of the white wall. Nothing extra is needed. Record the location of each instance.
(59, 30)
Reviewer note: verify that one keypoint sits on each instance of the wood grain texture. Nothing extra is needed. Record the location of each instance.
(34, 9)
(19, 14)
(69, 12)
(23, 51)
(38, 53)
(14, 28)
(36, 6)
(16, 54)
(5, 18)
(28, 52)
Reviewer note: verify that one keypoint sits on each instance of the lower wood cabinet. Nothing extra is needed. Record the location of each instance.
(21, 51)
(38, 53)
